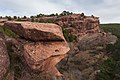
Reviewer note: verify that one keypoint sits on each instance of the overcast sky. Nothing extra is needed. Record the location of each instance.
(107, 10)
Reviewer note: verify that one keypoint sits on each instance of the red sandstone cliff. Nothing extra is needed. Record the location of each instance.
(41, 46)
(77, 24)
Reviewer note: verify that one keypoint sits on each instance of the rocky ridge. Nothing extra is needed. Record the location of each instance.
(41, 46)
(77, 24)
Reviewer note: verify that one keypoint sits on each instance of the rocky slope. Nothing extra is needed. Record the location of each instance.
(88, 53)
(4, 59)
(40, 47)
(40, 51)
(77, 24)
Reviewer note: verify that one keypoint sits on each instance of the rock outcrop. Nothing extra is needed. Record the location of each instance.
(42, 56)
(39, 47)
(2, 21)
(79, 24)
(42, 45)
(4, 59)
(94, 41)
(36, 31)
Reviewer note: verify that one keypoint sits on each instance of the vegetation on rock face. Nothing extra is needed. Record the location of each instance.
(68, 36)
(7, 32)
(9, 18)
(110, 69)
(113, 28)
(51, 15)
(43, 21)
(65, 13)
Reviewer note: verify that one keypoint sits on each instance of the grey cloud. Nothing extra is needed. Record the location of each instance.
(107, 10)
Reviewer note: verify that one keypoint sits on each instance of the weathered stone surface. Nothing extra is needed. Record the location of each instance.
(96, 40)
(78, 23)
(82, 25)
(36, 31)
(43, 56)
(43, 47)
(43, 50)
(4, 59)
(2, 20)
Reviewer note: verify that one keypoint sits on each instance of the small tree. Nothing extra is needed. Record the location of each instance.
(31, 16)
(82, 15)
(9, 18)
(24, 17)
(92, 16)
(18, 19)
(37, 16)
(52, 15)
(56, 14)
(65, 13)
(41, 15)
(15, 17)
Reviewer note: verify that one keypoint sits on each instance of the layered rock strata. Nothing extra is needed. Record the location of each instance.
(43, 45)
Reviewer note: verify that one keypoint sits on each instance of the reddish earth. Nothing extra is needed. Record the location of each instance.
(41, 46)
(36, 31)
(4, 59)
(76, 23)
(47, 48)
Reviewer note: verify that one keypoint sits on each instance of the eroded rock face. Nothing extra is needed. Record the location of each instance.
(43, 55)
(77, 24)
(43, 50)
(4, 59)
(2, 20)
(47, 48)
(81, 24)
(94, 41)
(36, 31)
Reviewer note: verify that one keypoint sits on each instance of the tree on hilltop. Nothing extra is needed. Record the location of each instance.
(9, 18)
(65, 13)
(15, 17)
(82, 14)
(24, 17)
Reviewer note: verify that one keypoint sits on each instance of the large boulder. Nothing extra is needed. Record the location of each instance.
(4, 59)
(94, 41)
(45, 55)
(36, 31)
(43, 47)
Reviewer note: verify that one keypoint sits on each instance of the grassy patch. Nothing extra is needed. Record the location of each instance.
(110, 69)
(68, 36)
(7, 32)
(113, 28)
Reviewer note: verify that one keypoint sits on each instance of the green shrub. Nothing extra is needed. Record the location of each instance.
(110, 69)
(109, 48)
(47, 21)
(68, 36)
(7, 32)
(113, 28)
